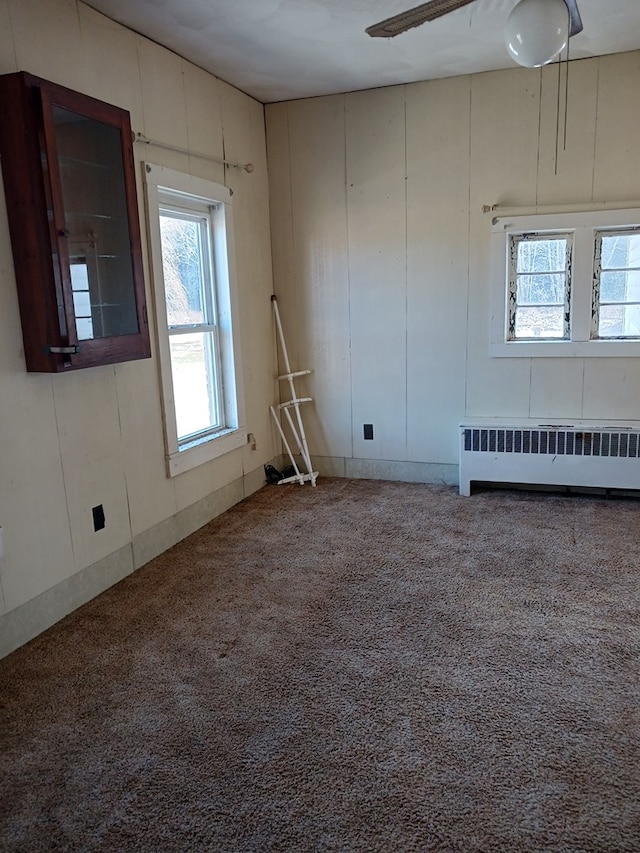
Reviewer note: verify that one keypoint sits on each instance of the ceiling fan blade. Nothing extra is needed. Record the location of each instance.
(575, 21)
(418, 15)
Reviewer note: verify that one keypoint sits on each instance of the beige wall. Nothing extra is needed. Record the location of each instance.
(95, 436)
(381, 253)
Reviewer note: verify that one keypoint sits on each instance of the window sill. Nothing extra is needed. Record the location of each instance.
(205, 450)
(562, 349)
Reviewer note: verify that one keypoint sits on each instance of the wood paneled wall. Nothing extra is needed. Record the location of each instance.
(71, 442)
(381, 250)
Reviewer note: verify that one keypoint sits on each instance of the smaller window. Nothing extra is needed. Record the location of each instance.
(616, 289)
(539, 287)
(566, 284)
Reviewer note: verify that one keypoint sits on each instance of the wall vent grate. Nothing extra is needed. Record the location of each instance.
(553, 442)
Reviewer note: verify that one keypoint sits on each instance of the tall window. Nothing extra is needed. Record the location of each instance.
(616, 292)
(540, 287)
(190, 229)
(190, 299)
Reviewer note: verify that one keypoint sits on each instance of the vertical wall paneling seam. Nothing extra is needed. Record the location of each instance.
(595, 130)
(220, 115)
(64, 476)
(223, 128)
(466, 336)
(140, 87)
(183, 63)
(79, 17)
(224, 148)
(124, 471)
(294, 247)
(406, 281)
(346, 210)
(2, 598)
(13, 38)
(294, 265)
(530, 383)
(584, 370)
(275, 389)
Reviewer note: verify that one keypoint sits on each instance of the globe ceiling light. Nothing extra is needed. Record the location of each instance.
(537, 31)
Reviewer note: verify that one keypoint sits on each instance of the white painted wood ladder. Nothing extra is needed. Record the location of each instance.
(294, 402)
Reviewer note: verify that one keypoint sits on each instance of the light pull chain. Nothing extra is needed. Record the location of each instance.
(566, 94)
(566, 105)
(558, 116)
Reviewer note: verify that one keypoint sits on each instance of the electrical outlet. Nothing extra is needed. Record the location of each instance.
(98, 517)
(368, 432)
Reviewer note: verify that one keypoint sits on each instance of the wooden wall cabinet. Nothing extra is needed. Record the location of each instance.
(69, 179)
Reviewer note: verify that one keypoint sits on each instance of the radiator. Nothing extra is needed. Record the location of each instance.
(580, 455)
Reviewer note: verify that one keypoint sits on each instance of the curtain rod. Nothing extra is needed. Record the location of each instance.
(140, 137)
(576, 207)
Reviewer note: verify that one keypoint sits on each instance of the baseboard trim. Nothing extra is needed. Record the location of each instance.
(385, 469)
(406, 472)
(24, 623)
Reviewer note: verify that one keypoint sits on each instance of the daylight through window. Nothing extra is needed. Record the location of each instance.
(566, 284)
(616, 295)
(540, 287)
(191, 321)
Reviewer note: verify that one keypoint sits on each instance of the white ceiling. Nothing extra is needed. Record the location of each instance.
(277, 50)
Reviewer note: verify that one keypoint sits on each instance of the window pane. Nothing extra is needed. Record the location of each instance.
(92, 181)
(619, 321)
(620, 286)
(540, 323)
(542, 255)
(183, 270)
(540, 289)
(620, 251)
(192, 367)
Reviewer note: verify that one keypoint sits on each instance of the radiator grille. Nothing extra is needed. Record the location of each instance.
(552, 442)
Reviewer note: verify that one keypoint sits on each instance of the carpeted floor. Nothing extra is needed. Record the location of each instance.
(364, 666)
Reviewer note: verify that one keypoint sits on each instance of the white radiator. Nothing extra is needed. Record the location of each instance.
(579, 455)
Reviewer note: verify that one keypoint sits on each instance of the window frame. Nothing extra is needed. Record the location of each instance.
(201, 215)
(515, 239)
(166, 188)
(597, 273)
(584, 225)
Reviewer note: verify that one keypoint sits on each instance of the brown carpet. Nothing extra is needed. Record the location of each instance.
(364, 666)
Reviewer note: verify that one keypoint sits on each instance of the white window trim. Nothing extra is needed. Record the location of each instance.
(159, 181)
(205, 216)
(513, 242)
(583, 224)
(597, 278)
